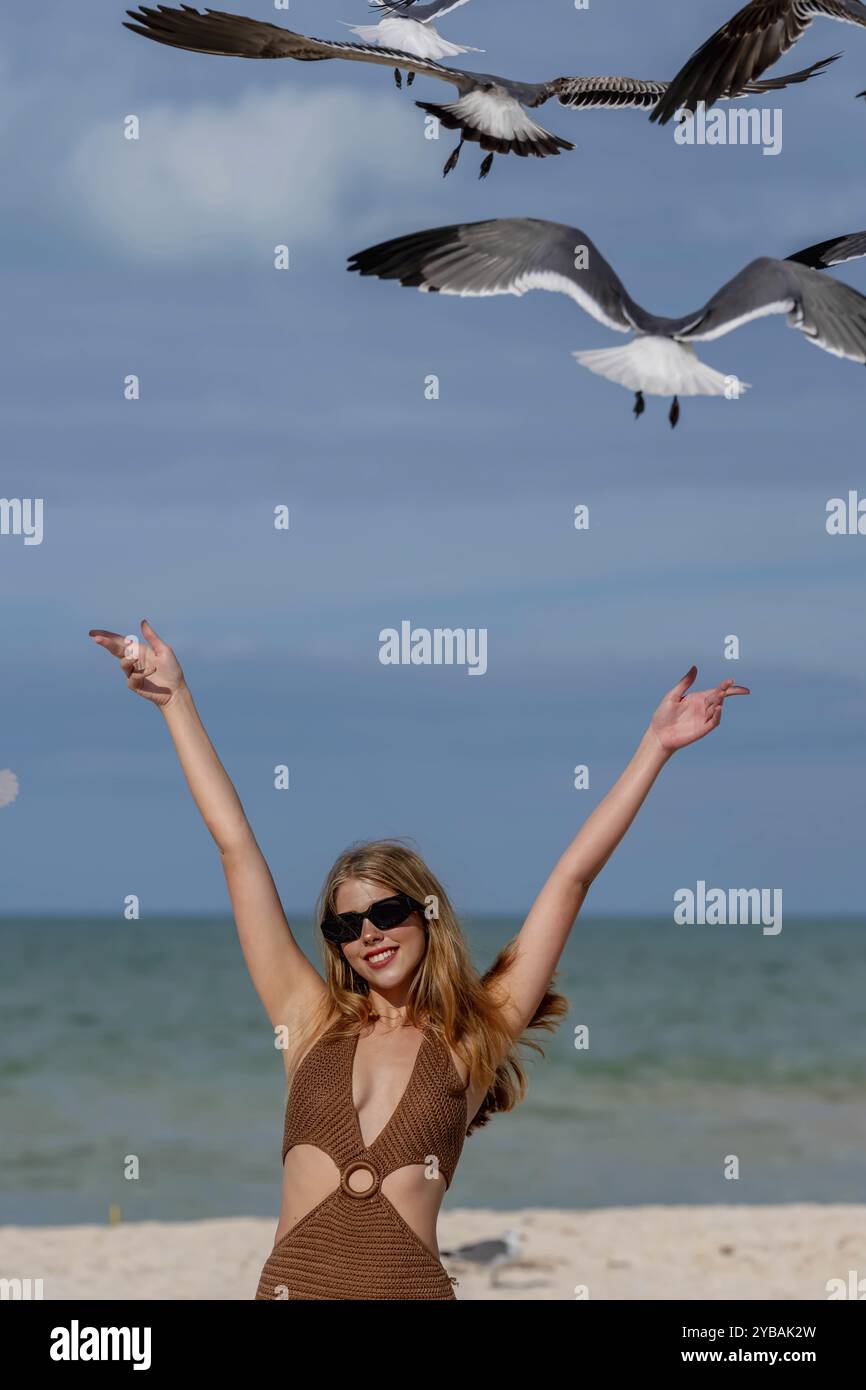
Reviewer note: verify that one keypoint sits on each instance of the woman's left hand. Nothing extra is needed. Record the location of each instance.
(683, 718)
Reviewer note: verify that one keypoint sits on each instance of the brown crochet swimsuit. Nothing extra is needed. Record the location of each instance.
(356, 1245)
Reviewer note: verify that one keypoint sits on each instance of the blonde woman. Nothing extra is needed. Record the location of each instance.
(398, 1049)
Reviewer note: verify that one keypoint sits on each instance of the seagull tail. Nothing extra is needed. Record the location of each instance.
(518, 134)
(370, 33)
(416, 39)
(660, 366)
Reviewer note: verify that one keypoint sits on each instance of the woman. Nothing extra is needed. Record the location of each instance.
(401, 1050)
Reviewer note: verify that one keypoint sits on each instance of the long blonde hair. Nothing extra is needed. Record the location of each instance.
(446, 993)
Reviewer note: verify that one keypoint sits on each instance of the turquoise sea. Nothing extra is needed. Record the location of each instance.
(121, 1038)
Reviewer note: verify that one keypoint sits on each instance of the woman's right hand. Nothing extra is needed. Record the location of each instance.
(151, 668)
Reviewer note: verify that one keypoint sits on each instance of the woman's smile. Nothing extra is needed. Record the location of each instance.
(379, 959)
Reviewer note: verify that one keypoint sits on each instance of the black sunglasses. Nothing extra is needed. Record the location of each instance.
(385, 914)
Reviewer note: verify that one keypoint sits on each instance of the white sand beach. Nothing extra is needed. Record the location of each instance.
(780, 1252)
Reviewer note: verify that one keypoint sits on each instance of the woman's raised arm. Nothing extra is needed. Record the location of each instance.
(286, 982)
(680, 719)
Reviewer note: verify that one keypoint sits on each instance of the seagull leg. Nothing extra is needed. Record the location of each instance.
(451, 161)
(485, 167)
(410, 78)
(398, 79)
(674, 413)
(639, 404)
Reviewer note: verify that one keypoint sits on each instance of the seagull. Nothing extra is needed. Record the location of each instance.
(491, 1255)
(408, 26)
(833, 252)
(746, 46)
(492, 111)
(513, 255)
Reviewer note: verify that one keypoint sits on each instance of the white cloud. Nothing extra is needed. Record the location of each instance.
(8, 787)
(203, 181)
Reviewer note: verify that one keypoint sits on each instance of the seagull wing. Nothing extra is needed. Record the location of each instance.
(833, 252)
(489, 110)
(778, 84)
(831, 315)
(235, 36)
(585, 92)
(745, 47)
(481, 1251)
(505, 256)
(615, 92)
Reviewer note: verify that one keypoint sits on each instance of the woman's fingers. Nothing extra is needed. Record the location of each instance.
(139, 657)
(138, 679)
(154, 638)
(728, 687)
(137, 670)
(112, 642)
(715, 700)
(682, 686)
(132, 652)
(118, 644)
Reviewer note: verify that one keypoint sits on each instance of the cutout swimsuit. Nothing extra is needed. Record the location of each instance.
(355, 1244)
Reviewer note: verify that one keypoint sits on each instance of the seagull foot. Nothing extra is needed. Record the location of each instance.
(639, 404)
(674, 413)
(451, 161)
(398, 80)
(486, 166)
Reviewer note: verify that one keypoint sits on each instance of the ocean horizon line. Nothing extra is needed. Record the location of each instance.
(172, 914)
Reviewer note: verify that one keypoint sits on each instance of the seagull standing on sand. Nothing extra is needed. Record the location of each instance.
(756, 37)
(408, 26)
(492, 111)
(492, 1255)
(513, 255)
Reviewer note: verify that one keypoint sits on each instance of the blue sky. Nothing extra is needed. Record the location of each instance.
(306, 388)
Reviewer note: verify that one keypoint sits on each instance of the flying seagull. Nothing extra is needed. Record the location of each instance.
(492, 111)
(746, 46)
(513, 255)
(408, 26)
